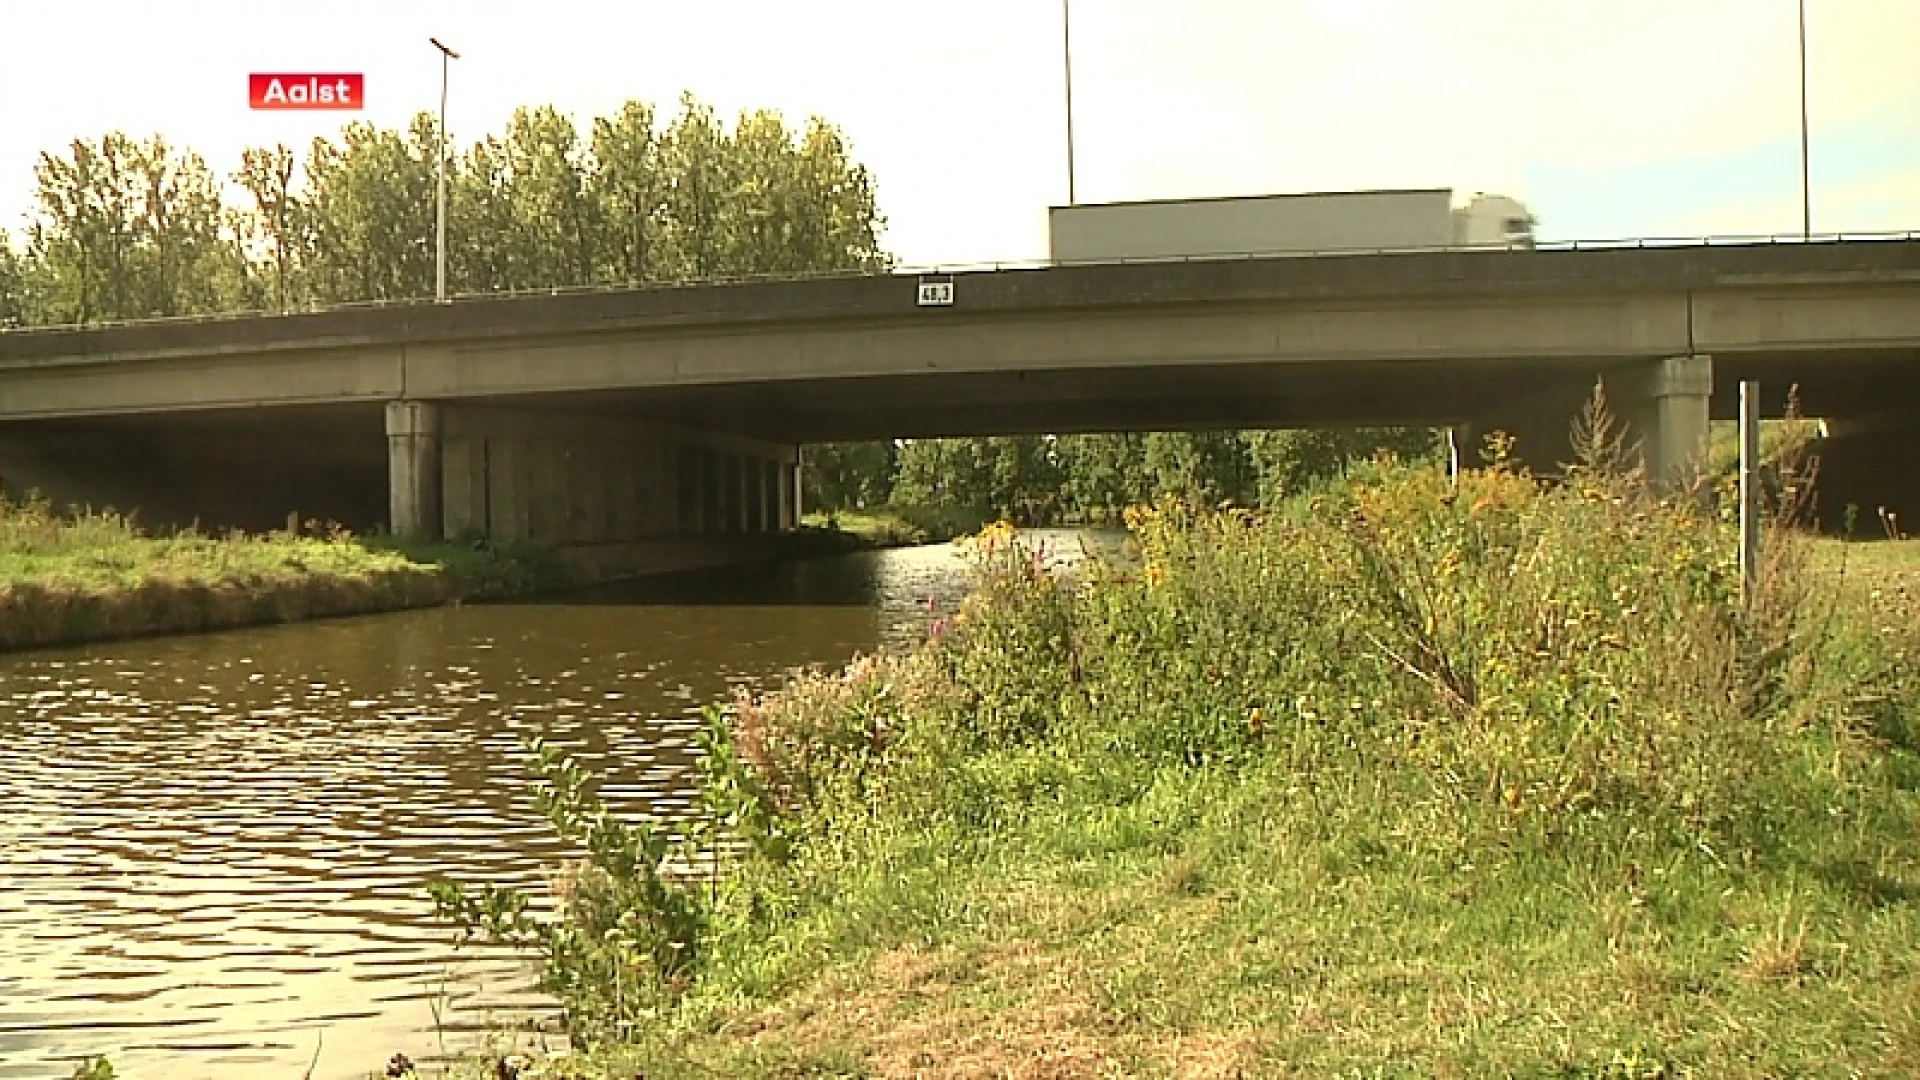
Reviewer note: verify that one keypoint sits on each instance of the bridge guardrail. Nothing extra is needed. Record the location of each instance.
(946, 269)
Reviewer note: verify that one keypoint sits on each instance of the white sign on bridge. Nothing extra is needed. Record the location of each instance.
(936, 293)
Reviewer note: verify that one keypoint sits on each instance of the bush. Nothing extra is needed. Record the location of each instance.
(1538, 657)
(625, 939)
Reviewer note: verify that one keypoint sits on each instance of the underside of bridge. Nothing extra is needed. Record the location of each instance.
(704, 462)
(585, 482)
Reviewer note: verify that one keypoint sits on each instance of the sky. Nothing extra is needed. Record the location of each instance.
(1610, 119)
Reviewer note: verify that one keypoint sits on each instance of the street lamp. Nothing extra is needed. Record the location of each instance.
(440, 198)
(1806, 187)
(1066, 42)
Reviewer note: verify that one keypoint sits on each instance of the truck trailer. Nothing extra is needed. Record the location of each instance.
(1319, 222)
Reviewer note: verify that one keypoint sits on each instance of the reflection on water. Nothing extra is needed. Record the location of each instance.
(213, 850)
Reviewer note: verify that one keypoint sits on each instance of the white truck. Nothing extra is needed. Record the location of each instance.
(1321, 222)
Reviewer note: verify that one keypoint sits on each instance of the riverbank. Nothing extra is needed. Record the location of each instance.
(897, 526)
(68, 580)
(871, 528)
(72, 580)
(1402, 782)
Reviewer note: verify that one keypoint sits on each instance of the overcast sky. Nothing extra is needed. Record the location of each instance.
(1609, 118)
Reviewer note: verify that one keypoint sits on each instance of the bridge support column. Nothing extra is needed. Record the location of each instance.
(413, 469)
(743, 491)
(770, 520)
(1663, 407)
(788, 503)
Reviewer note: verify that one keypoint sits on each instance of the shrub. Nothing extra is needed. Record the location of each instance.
(625, 939)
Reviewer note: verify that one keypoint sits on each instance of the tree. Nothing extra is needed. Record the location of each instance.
(847, 475)
(700, 180)
(371, 208)
(1024, 480)
(630, 188)
(186, 259)
(481, 223)
(1010, 476)
(835, 219)
(1204, 467)
(952, 475)
(766, 201)
(1289, 462)
(13, 284)
(84, 229)
(275, 226)
(127, 230)
(1102, 474)
(546, 186)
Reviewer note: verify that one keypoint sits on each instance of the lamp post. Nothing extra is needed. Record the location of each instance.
(1806, 187)
(1066, 42)
(440, 196)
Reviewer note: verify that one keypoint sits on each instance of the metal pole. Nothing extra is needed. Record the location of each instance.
(1749, 488)
(447, 56)
(1806, 187)
(1066, 40)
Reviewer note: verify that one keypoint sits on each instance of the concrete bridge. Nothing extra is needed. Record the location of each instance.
(674, 414)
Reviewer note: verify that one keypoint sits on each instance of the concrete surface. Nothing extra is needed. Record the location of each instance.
(620, 416)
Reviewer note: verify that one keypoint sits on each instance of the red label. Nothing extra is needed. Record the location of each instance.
(271, 91)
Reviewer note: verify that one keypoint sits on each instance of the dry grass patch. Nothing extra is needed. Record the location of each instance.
(1009, 1010)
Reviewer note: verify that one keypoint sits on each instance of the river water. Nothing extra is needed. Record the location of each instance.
(214, 849)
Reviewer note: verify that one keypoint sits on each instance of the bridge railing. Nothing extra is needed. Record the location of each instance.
(949, 269)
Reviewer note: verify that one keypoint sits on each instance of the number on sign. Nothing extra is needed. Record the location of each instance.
(936, 294)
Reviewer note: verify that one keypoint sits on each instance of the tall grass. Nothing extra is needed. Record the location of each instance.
(1409, 778)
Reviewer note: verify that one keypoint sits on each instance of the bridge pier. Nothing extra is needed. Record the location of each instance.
(1659, 410)
(413, 469)
(575, 479)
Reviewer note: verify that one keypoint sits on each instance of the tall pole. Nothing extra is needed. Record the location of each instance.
(1749, 489)
(1806, 187)
(440, 198)
(1066, 41)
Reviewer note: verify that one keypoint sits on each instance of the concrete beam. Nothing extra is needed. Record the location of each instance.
(1334, 281)
(1526, 329)
(1773, 316)
(111, 386)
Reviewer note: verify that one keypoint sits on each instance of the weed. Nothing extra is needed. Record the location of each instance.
(625, 939)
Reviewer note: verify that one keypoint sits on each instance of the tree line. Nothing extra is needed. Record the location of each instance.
(123, 228)
(1054, 479)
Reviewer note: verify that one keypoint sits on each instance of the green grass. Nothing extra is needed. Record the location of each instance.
(877, 528)
(1399, 781)
(73, 578)
(1872, 556)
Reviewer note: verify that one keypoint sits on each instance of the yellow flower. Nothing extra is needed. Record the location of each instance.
(1156, 575)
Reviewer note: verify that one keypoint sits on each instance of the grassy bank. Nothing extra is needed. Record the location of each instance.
(72, 579)
(1402, 781)
(893, 526)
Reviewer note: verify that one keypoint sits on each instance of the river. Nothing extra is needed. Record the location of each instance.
(214, 849)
